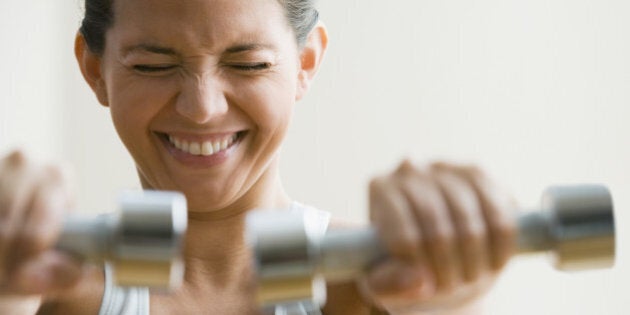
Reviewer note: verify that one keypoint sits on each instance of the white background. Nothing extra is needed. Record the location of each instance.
(536, 92)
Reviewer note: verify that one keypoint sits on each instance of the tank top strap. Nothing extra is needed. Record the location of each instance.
(123, 301)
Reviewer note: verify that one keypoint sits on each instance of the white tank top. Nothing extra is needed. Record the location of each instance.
(135, 301)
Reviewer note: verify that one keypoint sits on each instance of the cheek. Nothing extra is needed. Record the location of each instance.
(270, 103)
(133, 104)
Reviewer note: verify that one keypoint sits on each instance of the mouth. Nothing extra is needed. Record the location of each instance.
(202, 146)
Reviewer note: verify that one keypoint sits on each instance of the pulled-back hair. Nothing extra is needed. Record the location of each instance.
(99, 17)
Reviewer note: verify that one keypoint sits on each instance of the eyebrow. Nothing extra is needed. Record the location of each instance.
(247, 47)
(239, 48)
(150, 48)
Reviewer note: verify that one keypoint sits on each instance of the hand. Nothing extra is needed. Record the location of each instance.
(33, 199)
(448, 231)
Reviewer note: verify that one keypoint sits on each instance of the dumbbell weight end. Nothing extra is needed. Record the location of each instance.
(142, 243)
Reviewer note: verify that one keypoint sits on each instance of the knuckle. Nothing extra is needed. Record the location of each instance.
(17, 158)
(441, 166)
(451, 181)
(474, 171)
(424, 191)
(377, 184)
(406, 167)
(472, 234)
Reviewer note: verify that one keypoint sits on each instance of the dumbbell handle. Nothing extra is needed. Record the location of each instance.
(142, 242)
(88, 238)
(345, 253)
(575, 224)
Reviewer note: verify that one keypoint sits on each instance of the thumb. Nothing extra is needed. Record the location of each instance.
(395, 282)
(47, 273)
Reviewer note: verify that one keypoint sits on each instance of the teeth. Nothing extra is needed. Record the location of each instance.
(195, 148)
(205, 148)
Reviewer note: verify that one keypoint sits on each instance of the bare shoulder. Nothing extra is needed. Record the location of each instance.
(84, 298)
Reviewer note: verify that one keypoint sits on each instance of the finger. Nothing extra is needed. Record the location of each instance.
(397, 282)
(16, 189)
(431, 215)
(498, 210)
(49, 272)
(42, 224)
(468, 220)
(389, 211)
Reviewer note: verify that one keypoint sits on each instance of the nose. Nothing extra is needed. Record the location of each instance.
(202, 99)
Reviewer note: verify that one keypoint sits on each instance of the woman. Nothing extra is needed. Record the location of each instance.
(201, 93)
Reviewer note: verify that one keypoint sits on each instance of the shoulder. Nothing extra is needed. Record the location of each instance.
(84, 298)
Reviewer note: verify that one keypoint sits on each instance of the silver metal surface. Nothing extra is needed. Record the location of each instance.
(287, 252)
(142, 242)
(575, 224)
(582, 226)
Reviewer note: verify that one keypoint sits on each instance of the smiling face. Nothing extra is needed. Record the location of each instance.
(201, 93)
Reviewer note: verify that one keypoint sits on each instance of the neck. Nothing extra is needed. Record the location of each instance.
(216, 249)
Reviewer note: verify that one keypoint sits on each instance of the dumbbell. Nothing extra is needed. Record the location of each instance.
(293, 262)
(142, 242)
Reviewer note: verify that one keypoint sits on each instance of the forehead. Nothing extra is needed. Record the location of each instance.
(209, 24)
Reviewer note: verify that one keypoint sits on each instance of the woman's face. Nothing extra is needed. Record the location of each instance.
(201, 93)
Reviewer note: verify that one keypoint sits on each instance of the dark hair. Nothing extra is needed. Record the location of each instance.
(301, 15)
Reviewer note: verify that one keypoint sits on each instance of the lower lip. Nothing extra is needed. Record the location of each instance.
(199, 161)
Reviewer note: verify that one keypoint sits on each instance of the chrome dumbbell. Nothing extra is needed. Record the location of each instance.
(142, 242)
(575, 224)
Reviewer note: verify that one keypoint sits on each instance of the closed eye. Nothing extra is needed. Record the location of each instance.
(153, 68)
(252, 67)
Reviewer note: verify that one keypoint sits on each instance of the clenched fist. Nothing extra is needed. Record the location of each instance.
(33, 199)
(448, 231)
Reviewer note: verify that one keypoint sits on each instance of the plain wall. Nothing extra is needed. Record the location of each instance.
(29, 99)
(536, 92)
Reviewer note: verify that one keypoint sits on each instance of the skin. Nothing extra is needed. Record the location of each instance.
(234, 69)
